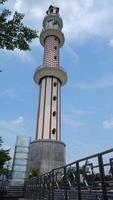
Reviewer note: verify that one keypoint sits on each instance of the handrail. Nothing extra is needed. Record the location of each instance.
(81, 178)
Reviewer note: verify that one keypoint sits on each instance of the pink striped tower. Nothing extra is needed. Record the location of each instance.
(50, 77)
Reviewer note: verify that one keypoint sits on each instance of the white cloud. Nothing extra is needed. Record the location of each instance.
(9, 93)
(10, 129)
(70, 120)
(14, 127)
(111, 42)
(18, 121)
(80, 112)
(102, 83)
(18, 5)
(82, 18)
(25, 56)
(108, 124)
(83, 112)
(74, 56)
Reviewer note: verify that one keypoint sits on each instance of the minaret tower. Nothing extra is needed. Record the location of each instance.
(50, 77)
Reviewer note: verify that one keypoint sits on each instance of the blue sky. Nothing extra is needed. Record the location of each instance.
(87, 56)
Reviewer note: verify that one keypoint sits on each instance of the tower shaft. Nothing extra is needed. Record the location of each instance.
(47, 151)
(50, 80)
(48, 125)
(51, 52)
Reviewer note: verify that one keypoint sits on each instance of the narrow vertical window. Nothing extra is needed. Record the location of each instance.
(53, 131)
(54, 98)
(55, 84)
(54, 113)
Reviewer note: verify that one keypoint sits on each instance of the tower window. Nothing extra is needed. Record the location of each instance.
(54, 98)
(55, 84)
(54, 113)
(55, 57)
(55, 47)
(53, 130)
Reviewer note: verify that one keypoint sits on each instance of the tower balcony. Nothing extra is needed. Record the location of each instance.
(42, 72)
(49, 32)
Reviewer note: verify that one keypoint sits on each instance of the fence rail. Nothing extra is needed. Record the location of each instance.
(88, 178)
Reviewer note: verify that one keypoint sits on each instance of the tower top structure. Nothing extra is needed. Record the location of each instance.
(52, 10)
(52, 25)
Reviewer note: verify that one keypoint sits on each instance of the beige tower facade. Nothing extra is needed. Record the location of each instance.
(47, 151)
(50, 78)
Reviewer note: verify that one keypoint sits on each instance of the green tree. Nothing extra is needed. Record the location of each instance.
(4, 157)
(13, 33)
(34, 173)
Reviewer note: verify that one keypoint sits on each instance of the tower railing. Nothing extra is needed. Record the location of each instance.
(88, 178)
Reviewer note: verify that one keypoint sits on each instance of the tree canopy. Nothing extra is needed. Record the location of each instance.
(4, 157)
(34, 173)
(13, 33)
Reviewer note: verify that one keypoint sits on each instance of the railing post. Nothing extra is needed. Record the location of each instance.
(49, 186)
(65, 184)
(52, 184)
(78, 180)
(102, 176)
(111, 166)
(43, 187)
(40, 188)
(34, 185)
(25, 189)
(36, 188)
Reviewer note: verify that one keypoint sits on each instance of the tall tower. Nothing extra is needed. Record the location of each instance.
(47, 151)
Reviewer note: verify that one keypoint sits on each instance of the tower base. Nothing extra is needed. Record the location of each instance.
(46, 155)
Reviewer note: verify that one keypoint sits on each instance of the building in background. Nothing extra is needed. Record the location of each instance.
(20, 160)
(47, 151)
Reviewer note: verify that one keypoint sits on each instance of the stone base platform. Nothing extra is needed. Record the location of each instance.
(46, 155)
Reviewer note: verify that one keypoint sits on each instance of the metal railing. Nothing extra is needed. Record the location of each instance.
(88, 178)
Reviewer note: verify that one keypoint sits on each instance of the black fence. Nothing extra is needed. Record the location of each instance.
(88, 178)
